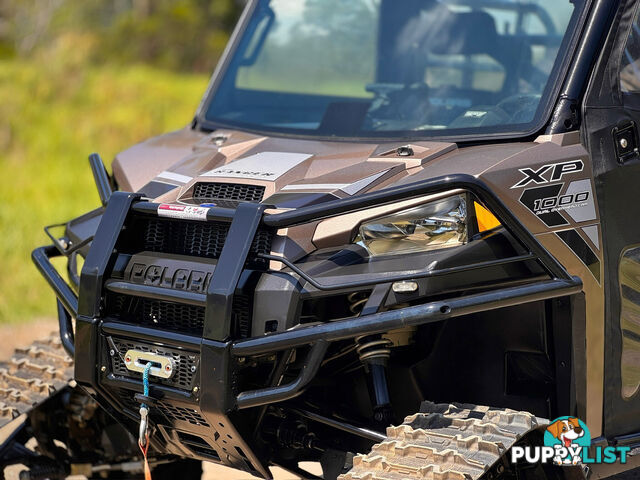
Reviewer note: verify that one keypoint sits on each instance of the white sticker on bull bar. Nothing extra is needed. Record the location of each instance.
(183, 212)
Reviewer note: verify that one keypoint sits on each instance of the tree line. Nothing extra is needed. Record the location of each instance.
(185, 35)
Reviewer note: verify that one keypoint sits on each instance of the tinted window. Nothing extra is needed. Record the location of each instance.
(382, 68)
(630, 65)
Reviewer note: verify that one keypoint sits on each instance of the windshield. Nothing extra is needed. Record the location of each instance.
(393, 68)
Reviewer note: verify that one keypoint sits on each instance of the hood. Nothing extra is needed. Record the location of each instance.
(288, 173)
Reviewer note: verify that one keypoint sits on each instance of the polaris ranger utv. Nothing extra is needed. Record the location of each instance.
(399, 238)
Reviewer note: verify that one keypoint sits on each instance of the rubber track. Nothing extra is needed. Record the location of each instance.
(31, 376)
(443, 442)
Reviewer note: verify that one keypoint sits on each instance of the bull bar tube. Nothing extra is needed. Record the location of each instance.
(245, 220)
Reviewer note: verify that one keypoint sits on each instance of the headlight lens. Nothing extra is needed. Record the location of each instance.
(438, 224)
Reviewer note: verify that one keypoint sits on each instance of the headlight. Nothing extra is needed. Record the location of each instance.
(438, 224)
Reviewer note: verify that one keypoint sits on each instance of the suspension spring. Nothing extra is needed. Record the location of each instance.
(357, 301)
(373, 347)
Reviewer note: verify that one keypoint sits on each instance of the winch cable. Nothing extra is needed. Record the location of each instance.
(143, 436)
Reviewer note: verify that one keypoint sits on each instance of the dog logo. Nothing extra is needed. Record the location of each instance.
(567, 442)
(568, 436)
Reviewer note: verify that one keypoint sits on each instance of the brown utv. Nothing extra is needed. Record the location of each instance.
(398, 239)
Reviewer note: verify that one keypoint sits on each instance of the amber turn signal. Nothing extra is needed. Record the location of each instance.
(486, 219)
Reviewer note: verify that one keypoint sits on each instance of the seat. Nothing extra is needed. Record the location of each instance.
(440, 31)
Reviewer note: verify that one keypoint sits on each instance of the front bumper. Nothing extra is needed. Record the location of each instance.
(200, 414)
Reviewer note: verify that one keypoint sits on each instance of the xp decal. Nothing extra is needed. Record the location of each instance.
(567, 441)
(549, 173)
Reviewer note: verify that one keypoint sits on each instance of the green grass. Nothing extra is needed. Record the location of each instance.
(51, 119)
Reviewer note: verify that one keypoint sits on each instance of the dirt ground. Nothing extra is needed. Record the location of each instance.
(211, 472)
(20, 335)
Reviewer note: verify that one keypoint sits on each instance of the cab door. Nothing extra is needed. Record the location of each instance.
(611, 116)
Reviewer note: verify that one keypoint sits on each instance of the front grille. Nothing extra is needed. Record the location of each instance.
(241, 311)
(198, 239)
(184, 238)
(262, 242)
(210, 192)
(186, 363)
(176, 317)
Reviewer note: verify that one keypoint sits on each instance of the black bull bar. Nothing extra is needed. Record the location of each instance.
(216, 348)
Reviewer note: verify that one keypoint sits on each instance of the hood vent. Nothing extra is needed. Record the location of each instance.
(233, 192)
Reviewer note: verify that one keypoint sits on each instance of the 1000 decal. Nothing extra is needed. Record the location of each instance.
(562, 202)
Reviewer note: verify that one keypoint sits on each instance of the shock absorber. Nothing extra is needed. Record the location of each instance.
(374, 352)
